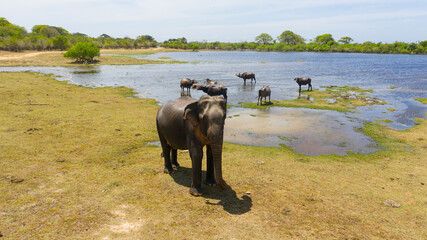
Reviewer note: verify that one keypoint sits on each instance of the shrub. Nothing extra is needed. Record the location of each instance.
(83, 52)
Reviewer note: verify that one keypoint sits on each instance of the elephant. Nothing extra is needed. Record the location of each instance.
(213, 90)
(247, 75)
(264, 92)
(187, 83)
(304, 81)
(187, 123)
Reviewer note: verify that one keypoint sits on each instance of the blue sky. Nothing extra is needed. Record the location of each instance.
(227, 20)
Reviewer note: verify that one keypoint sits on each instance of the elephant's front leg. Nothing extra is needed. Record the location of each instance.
(210, 178)
(196, 154)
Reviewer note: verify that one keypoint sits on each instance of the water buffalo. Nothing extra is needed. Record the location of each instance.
(304, 81)
(264, 92)
(213, 90)
(247, 75)
(210, 81)
(187, 83)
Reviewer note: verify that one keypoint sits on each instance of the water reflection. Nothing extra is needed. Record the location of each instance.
(185, 93)
(304, 97)
(92, 71)
(247, 87)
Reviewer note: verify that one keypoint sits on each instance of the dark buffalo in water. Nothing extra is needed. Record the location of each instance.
(304, 81)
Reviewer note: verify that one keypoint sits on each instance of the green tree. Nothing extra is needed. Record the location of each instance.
(11, 30)
(424, 44)
(147, 38)
(49, 31)
(83, 52)
(288, 37)
(105, 36)
(324, 39)
(345, 40)
(264, 38)
(61, 42)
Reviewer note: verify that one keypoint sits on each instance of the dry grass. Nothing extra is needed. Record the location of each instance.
(56, 58)
(87, 173)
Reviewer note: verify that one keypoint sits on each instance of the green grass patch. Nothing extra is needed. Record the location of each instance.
(384, 120)
(421, 100)
(345, 99)
(287, 139)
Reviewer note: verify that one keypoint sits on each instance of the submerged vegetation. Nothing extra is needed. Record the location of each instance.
(338, 98)
(77, 164)
(44, 37)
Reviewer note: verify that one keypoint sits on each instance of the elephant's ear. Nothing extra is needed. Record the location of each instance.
(191, 113)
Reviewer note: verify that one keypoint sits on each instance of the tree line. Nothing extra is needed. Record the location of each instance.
(45, 37)
(291, 42)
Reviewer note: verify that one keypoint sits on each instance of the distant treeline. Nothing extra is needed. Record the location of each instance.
(44, 37)
(284, 43)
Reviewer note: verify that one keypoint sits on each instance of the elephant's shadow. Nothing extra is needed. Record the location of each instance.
(228, 197)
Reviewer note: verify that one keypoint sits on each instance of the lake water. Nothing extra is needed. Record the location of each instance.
(396, 79)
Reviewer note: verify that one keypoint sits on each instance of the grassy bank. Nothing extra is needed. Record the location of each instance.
(56, 58)
(337, 98)
(76, 164)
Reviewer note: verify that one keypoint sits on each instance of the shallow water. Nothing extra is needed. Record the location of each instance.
(307, 131)
(406, 73)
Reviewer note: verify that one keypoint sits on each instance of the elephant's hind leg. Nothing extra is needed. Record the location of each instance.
(175, 164)
(166, 155)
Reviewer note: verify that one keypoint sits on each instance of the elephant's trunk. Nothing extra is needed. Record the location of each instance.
(217, 160)
(216, 136)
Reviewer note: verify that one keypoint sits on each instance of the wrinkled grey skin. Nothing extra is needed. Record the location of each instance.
(304, 81)
(213, 90)
(210, 81)
(187, 83)
(264, 92)
(186, 123)
(247, 75)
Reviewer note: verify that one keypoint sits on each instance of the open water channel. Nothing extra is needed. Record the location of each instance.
(395, 79)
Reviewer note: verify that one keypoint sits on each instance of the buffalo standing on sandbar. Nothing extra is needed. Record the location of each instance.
(264, 92)
(304, 81)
